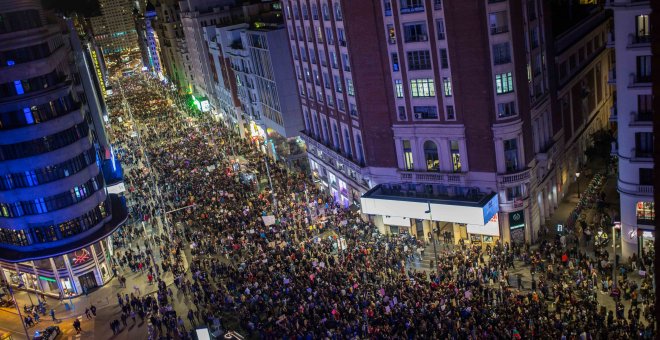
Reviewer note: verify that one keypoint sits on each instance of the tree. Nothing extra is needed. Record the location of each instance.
(598, 153)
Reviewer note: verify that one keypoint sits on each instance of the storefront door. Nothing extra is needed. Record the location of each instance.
(88, 281)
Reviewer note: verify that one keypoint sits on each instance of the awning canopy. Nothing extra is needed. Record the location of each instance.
(431, 202)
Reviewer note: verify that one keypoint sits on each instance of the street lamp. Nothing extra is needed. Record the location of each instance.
(435, 250)
(577, 175)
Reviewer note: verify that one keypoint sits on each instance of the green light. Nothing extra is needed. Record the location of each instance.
(46, 279)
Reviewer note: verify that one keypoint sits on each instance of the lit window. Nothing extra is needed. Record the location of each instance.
(422, 87)
(504, 83)
(446, 85)
(399, 88)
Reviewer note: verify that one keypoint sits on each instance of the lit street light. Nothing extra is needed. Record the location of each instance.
(577, 176)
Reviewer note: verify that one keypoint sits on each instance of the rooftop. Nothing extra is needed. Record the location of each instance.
(434, 193)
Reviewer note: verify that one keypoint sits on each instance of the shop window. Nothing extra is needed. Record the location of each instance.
(646, 213)
(431, 156)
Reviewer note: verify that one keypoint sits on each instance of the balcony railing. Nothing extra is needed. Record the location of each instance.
(517, 177)
(640, 79)
(634, 39)
(641, 118)
(641, 153)
(499, 29)
(432, 177)
(412, 9)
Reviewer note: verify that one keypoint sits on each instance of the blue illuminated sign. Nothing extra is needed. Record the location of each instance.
(491, 208)
(19, 87)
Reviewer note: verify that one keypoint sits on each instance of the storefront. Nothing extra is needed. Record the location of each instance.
(69, 274)
(517, 226)
(450, 213)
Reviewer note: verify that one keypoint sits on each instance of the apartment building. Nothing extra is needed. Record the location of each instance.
(633, 114)
(480, 149)
(342, 84)
(173, 49)
(260, 60)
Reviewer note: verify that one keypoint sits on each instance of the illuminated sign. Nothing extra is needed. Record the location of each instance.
(206, 106)
(81, 256)
(46, 279)
(98, 71)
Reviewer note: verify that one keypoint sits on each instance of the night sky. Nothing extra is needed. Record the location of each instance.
(85, 7)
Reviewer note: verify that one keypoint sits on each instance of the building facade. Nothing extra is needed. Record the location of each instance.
(472, 106)
(633, 114)
(114, 29)
(55, 212)
(346, 104)
(260, 59)
(173, 50)
(148, 39)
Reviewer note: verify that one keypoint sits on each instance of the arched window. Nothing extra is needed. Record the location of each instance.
(324, 125)
(347, 143)
(358, 147)
(431, 156)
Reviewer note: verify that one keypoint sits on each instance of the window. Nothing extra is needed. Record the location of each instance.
(644, 144)
(444, 59)
(513, 193)
(425, 112)
(345, 62)
(437, 5)
(349, 87)
(419, 60)
(643, 69)
(319, 34)
(504, 83)
(446, 86)
(338, 86)
(398, 88)
(330, 36)
(347, 143)
(407, 155)
(422, 87)
(395, 62)
(644, 107)
(455, 155)
(534, 37)
(498, 22)
(353, 109)
(402, 112)
(326, 80)
(315, 12)
(391, 34)
(643, 29)
(304, 12)
(338, 15)
(411, 6)
(414, 32)
(440, 29)
(645, 213)
(333, 60)
(501, 53)
(387, 5)
(511, 154)
(449, 111)
(340, 37)
(431, 156)
(326, 12)
(646, 176)
(506, 109)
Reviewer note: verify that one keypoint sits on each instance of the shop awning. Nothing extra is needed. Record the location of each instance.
(431, 202)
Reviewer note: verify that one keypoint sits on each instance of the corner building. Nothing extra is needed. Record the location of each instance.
(465, 137)
(633, 113)
(55, 212)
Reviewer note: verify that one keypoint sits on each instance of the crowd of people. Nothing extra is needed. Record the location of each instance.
(294, 278)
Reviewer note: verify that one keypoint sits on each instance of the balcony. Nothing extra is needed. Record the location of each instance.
(412, 9)
(634, 188)
(641, 118)
(639, 80)
(331, 154)
(416, 38)
(432, 177)
(548, 154)
(514, 178)
(499, 29)
(641, 155)
(635, 40)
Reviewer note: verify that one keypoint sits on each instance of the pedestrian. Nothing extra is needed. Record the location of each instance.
(123, 319)
(88, 314)
(93, 309)
(52, 314)
(112, 326)
(133, 316)
(76, 326)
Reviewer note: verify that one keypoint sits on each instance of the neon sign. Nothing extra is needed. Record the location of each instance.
(81, 256)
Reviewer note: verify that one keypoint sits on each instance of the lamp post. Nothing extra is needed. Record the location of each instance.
(577, 176)
(435, 250)
(615, 226)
